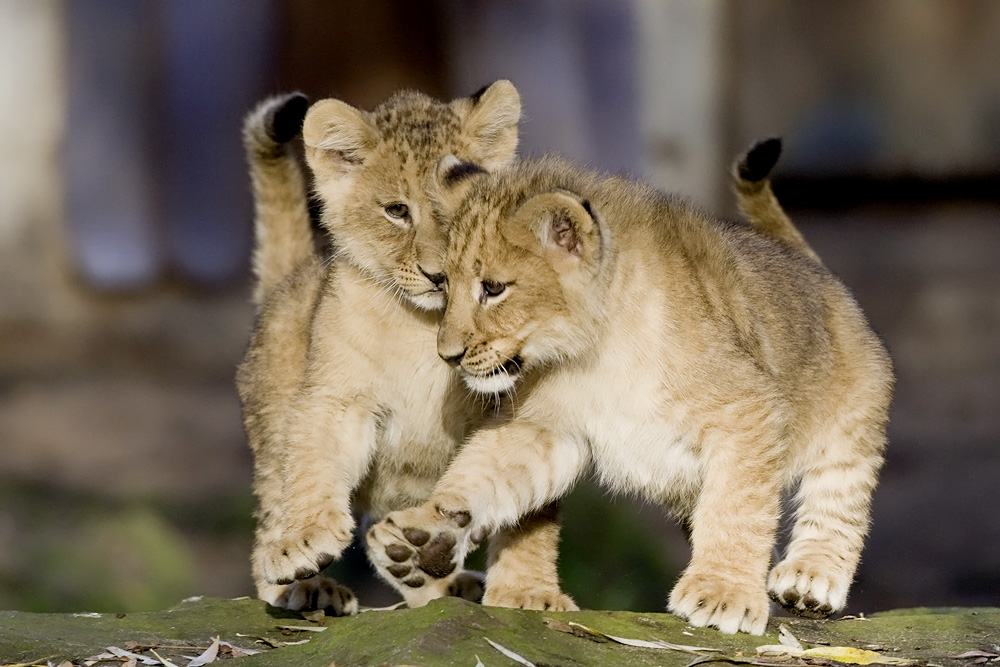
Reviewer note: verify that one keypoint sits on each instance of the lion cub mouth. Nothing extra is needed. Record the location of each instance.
(498, 379)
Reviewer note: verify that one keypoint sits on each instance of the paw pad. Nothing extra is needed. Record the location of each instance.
(416, 537)
(399, 571)
(436, 557)
(398, 552)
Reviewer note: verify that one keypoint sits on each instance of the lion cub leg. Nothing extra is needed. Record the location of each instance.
(522, 565)
(501, 475)
(732, 533)
(834, 498)
(314, 593)
(419, 551)
(333, 446)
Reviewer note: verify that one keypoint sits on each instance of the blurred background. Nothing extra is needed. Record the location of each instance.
(125, 221)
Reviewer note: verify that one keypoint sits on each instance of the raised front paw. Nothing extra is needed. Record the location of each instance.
(314, 593)
(708, 600)
(302, 550)
(810, 588)
(421, 550)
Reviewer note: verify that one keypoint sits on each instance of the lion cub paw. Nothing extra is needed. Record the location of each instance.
(711, 601)
(421, 549)
(468, 585)
(542, 598)
(312, 594)
(807, 588)
(300, 553)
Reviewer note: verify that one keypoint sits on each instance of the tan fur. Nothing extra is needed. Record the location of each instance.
(696, 363)
(346, 402)
(283, 237)
(761, 208)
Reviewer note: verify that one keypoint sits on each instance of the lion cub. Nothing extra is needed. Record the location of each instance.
(701, 364)
(345, 399)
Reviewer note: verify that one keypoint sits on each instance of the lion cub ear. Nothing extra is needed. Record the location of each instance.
(489, 119)
(337, 138)
(451, 181)
(560, 226)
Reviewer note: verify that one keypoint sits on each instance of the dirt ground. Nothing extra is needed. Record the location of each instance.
(124, 474)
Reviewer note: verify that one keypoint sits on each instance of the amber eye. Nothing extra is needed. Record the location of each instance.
(398, 211)
(493, 288)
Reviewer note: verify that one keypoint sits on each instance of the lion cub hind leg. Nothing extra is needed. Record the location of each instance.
(314, 593)
(522, 566)
(734, 523)
(420, 549)
(831, 523)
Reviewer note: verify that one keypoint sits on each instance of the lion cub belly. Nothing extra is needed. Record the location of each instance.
(638, 444)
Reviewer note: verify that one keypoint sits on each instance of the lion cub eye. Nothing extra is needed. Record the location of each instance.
(492, 288)
(398, 211)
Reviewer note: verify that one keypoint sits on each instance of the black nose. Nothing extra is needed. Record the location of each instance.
(454, 360)
(436, 278)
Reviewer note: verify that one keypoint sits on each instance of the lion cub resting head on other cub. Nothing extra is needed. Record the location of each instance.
(698, 363)
(347, 407)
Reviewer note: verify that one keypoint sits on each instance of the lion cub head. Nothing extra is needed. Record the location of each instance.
(523, 263)
(372, 172)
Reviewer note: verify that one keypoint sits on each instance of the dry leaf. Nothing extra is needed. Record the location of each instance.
(41, 662)
(786, 638)
(510, 654)
(122, 653)
(301, 628)
(210, 654)
(845, 654)
(238, 652)
(166, 663)
(642, 643)
(318, 617)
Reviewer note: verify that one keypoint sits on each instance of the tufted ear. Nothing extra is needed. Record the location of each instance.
(559, 226)
(337, 138)
(489, 118)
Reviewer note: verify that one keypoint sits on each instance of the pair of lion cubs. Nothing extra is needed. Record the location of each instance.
(601, 325)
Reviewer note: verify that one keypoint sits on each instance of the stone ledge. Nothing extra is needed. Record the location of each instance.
(455, 632)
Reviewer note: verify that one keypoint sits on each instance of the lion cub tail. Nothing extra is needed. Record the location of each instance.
(283, 235)
(756, 198)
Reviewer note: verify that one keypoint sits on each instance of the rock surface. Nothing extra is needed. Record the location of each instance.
(455, 632)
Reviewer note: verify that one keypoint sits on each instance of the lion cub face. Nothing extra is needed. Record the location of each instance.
(371, 173)
(519, 280)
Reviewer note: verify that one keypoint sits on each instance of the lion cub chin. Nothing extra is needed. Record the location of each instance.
(701, 364)
(347, 407)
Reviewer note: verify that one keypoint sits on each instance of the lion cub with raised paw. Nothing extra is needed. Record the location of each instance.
(345, 399)
(701, 364)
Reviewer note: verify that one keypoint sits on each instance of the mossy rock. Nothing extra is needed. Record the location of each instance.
(455, 632)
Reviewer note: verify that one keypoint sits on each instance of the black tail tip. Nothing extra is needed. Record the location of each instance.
(760, 160)
(287, 116)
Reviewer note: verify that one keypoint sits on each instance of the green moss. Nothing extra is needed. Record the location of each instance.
(455, 632)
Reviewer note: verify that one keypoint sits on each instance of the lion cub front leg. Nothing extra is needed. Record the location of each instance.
(317, 593)
(422, 550)
(329, 449)
(501, 475)
(522, 569)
